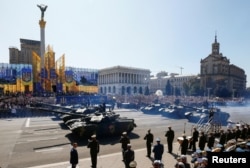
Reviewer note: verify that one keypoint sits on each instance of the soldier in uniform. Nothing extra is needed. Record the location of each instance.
(93, 144)
(211, 139)
(149, 137)
(229, 135)
(170, 138)
(195, 138)
(129, 156)
(202, 141)
(243, 132)
(184, 145)
(124, 141)
(237, 133)
(158, 150)
(74, 156)
(222, 137)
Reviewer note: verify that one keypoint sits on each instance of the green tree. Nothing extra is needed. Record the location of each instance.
(83, 80)
(168, 88)
(146, 91)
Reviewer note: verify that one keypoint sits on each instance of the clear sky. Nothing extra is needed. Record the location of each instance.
(160, 35)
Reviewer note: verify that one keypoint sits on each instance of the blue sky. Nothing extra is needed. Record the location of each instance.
(160, 35)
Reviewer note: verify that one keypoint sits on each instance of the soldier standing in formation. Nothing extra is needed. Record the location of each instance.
(74, 156)
(195, 138)
(222, 137)
(184, 145)
(211, 140)
(94, 150)
(158, 150)
(149, 137)
(170, 138)
(202, 141)
(124, 141)
(129, 156)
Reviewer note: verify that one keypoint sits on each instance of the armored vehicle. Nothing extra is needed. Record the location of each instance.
(88, 122)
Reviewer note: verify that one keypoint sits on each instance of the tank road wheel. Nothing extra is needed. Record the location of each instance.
(111, 129)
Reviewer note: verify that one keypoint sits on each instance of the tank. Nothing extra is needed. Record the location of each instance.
(89, 122)
(102, 124)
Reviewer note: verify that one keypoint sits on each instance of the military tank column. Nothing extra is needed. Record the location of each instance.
(85, 122)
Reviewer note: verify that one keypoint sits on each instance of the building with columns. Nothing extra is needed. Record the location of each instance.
(216, 73)
(123, 80)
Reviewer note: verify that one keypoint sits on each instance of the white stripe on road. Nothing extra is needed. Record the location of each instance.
(34, 140)
(48, 150)
(27, 124)
(44, 125)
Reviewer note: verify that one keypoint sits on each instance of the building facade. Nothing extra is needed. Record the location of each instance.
(216, 73)
(123, 80)
(24, 56)
(176, 82)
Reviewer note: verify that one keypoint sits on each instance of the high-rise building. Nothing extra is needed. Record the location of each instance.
(24, 56)
(14, 55)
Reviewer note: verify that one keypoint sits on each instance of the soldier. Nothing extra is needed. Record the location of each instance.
(184, 145)
(195, 138)
(243, 132)
(211, 139)
(202, 141)
(124, 141)
(158, 150)
(229, 135)
(94, 150)
(237, 132)
(170, 138)
(149, 137)
(74, 156)
(222, 137)
(129, 156)
(211, 115)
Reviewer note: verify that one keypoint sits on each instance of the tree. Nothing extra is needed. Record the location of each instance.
(192, 87)
(146, 91)
(83, 80)
(168, 88)
(161, 74)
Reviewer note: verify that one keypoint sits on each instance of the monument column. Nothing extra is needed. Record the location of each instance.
(42, 24)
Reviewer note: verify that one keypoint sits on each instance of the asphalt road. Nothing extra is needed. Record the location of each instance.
(37, 140)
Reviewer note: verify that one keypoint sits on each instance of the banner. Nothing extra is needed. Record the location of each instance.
(69, 77)
(59, 87)
(44, 73)
(52, 73)
(27, 75)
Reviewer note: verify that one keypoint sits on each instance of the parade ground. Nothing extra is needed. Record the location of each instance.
(43, 141)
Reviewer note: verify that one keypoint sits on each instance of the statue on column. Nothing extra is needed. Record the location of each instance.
(43, 9)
